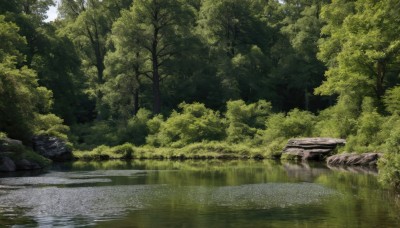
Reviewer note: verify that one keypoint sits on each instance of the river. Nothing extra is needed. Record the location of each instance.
(189, 193)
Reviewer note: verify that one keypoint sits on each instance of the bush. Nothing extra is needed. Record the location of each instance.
(245, 120)
(135, 130)
(391, 134)
(3, 135)
(295, 124)
(89, 136)
(389, 169)
(392, 100)
(195, 123)
(369, 126)
(50, 124)
(125, 151)
(340, 120)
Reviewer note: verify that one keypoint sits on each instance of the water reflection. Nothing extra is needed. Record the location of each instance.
(197, 194)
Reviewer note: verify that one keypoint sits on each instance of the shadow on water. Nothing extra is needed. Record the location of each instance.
(190, 193)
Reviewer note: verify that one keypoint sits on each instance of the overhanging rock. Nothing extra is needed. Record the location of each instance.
(312, 148)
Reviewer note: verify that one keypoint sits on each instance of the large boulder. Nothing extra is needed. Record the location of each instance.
(7, 165)
(311, 148)
(10, 145)
(354, 159)
(25, 164)
(52, 147)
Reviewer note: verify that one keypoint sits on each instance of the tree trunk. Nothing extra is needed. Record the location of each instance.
(156, 75)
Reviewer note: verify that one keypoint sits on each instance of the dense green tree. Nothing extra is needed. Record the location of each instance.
(155, 30)
(297, 69)
(21, 96)
(88, 24)
(361, 47)
(59, 69)
(238, 41)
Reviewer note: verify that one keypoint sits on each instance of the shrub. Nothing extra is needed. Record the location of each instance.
(195, 123)
(369, 125)
(103, 152)
(295, 124)
(135, 130)
(391, 134)
(3, 135)
(50, 124)
(392, 100)
(340, 120)
(389, 169)
(88, 136)
(244, 120)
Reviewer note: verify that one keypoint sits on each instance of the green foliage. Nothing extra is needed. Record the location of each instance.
(90, 135)
(195, 123)
(3, 135)
(391, 134)
(389, 167)
(361, 46)
(245, 120)
(35, 157)
(112, 133)
(295, 123)
(392, 100)
(339, 120)
(210, 150)
(50, 124)
(369, 124)
(21, 95)
(135, 131)
(125, 151)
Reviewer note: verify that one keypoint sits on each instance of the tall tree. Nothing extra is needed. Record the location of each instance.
(21, 97)
(239, 43)
(361, 47)
(297, 69)
(156, 31)
(88, 23)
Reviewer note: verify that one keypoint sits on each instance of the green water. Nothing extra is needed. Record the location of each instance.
(196, 194)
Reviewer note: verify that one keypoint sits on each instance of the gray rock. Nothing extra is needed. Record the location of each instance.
(52, 147)
(312, 148)
(10, 145)
(26, 165)
(7, 165)
(353, 159)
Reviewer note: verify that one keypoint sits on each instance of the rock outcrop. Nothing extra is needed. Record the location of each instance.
(311, 148)
(10, 145)
(24, 164)
(354, 159)
(52, 147)
(7, 165)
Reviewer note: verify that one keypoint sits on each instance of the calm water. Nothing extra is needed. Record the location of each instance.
(196, 194)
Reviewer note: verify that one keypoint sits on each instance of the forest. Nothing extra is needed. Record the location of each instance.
(163, 78)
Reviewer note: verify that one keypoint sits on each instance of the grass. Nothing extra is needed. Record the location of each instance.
(199, 151)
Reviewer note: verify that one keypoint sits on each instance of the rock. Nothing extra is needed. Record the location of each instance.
(311, 148)
(353, 159)
(10, 145)
(52, 147)
(7, 165)
(26, 165)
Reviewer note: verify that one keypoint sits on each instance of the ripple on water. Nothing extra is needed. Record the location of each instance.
(44, 180)
(49, 204)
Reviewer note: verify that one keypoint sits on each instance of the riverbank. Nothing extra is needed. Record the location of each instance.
(201, 151)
